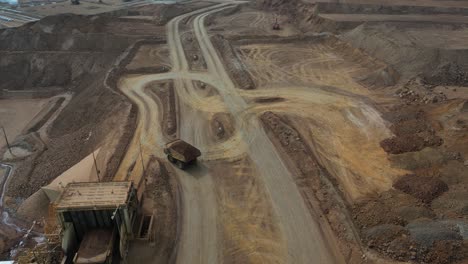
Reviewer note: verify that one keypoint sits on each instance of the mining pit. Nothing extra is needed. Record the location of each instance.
(329, 131)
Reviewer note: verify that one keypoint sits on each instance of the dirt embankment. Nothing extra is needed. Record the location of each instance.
(192, 50)
(317, 187)
(222, 126)
(163, 93)
(412, 131)
(425, 211)
(157, 241)
(395, 44)
(94, 111)
(234, 65)
(56, 51)
(305, 15)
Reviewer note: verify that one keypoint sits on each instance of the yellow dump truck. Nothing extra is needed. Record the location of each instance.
(181, 153)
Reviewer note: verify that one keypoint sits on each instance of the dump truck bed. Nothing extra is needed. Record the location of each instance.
(95, 247)
(183, 151)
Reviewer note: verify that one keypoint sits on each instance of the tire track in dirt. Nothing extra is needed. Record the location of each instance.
(305, 241)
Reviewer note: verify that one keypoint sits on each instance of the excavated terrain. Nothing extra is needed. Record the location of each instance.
(418, 216)
(342, 137)
(77, 60)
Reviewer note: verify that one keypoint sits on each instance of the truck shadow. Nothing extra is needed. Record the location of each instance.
(197, 170)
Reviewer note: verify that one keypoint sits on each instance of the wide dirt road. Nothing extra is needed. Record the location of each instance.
(306, 239)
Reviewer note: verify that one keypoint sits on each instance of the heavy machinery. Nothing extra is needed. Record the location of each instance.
(276, 25)
(181, 153)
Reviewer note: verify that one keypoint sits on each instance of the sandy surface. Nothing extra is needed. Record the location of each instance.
(15, 115)
(84, 171)
(320, 84)
(304, 237)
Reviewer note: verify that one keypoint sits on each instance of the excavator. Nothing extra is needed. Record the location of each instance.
(276, 25)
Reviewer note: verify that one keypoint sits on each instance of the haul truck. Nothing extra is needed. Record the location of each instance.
(181, 153)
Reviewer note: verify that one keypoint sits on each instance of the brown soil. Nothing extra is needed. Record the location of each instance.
(332, 85)
(92, 110)
(235, 67)
(424, 188)
(161, 200)
(245, 212)
(46, 116)
(222, 126)
(314, 182)
(447, 74)
(412, 130)
(163, 92)
(150, 56)
(447, 252)
(192, 51)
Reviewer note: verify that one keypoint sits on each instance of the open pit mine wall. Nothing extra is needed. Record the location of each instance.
(305, 15)
(430, 61)
(306, 11)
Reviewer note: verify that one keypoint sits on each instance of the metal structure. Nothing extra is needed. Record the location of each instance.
(95, 215)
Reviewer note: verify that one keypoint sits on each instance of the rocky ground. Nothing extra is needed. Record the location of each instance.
(82, 56)
(421, 217)
(370, 118)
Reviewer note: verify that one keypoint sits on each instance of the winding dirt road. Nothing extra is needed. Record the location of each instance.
(306, 239)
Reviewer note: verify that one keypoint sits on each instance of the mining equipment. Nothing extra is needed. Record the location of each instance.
(96, 220)
(181, 153)
(276, 25)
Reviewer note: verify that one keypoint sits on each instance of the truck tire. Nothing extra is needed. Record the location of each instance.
(171, 159)
(180, 164)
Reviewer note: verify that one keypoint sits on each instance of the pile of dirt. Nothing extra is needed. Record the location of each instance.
(447, 74)
(52, 54)
(164, 94)
(382, 234)
(453, 204)
(403, 228)
(407, 143)
(412, 131)
(192, 51)
(235, 67)
(423, 188)
(464, 108)
(426, 232)
(70, 23)
(40, 71)
(161, 200)
(94, 107)
(382, 209)
(312, 179)
(445, 252)
(412, 212)
(415, 91)
(222, 126)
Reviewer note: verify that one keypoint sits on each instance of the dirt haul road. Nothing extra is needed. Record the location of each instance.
(307, 240)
